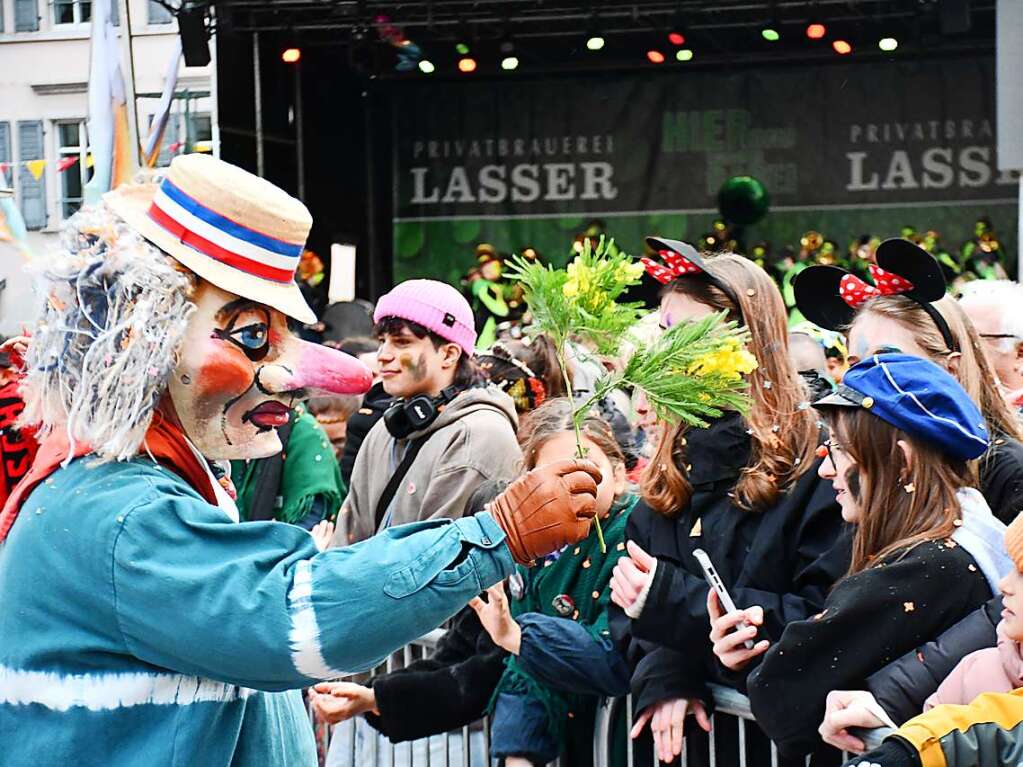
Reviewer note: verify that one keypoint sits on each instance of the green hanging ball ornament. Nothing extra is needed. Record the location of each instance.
(743, 200)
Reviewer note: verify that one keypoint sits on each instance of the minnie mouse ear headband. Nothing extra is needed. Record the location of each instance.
(829, 296)
(680, 260)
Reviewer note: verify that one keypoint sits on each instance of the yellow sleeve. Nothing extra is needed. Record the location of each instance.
(947, 724)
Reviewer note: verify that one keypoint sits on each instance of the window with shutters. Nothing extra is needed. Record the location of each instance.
(31, 190)
(71, 11)
(159, 12)
(72, 165)
(26, 15)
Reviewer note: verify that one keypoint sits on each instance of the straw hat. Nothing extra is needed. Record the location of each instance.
(234, 229)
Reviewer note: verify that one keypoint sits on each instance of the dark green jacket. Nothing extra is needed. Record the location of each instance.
(310, 487)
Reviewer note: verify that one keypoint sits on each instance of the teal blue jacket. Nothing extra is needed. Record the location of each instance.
(140, 625)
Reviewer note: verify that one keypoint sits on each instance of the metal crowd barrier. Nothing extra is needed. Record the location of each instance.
(470, 746)
(727, 703)
(361, 746)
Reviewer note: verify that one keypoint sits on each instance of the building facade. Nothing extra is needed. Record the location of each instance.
(44, 72)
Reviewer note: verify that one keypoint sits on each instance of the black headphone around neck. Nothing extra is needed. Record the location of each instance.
(407, 416)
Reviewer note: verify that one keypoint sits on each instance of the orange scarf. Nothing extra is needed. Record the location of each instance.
(164, 441)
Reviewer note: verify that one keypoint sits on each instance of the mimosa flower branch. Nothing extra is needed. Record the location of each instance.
(693, 371)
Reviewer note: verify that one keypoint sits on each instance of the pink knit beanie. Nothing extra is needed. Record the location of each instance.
(436, 306)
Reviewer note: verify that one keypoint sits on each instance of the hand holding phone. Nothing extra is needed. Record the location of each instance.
(715, 582)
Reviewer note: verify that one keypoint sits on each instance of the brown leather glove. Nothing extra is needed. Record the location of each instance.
(548, 508)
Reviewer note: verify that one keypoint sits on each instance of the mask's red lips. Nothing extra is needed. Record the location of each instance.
(268, 415)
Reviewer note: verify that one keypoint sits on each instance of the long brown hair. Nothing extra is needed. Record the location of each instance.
(891, 519)
(973, 372)
(783, 435)
(554, 417)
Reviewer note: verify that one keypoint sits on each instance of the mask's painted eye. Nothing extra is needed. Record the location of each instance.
(252, 339)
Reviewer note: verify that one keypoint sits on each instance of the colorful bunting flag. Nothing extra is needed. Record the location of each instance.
(36, 168)
(66, 163)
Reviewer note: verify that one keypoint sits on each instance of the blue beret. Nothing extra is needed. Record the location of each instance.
(918, 397)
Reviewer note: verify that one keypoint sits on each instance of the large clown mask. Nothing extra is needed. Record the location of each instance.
(241, 370)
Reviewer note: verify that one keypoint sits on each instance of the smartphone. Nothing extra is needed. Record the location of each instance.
(715, 582)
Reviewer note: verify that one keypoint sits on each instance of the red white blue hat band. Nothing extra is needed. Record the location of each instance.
(222, 239)
(229, 227)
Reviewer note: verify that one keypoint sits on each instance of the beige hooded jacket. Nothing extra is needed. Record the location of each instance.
(472, 440)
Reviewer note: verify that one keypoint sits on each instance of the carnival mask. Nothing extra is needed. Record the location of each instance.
(241, 370)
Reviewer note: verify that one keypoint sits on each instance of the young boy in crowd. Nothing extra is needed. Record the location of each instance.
(444, 435)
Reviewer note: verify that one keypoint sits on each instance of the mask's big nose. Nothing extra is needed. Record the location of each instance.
(322, 370)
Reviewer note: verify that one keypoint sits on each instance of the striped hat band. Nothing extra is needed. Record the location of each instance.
(222, 239)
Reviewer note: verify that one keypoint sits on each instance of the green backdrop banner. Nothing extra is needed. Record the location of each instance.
(844, 149)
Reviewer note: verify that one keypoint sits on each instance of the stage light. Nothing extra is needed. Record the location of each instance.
(291, 55)
(466, 65)
(595, 42)
(842, 47)
(816, 31)
(684, 55)
(462, 48)
(676, 38)
(508, 63)
(770, 34)
(888, 44)
(655, 57)
(426, 67)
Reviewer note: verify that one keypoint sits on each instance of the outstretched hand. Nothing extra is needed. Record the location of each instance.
(336, 702)
(667, 722)
(497, 619)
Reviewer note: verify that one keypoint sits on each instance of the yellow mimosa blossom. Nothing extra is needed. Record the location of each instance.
(730, 361)
(578, 278)
(629, 272)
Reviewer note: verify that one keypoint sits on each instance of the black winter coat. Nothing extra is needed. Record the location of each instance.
(448, 690)
(1001, 478)
(374, 403)
(784, 559)
(869, 619)
(902, 687)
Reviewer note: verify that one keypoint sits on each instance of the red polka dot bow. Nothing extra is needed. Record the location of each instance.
(675, 265)
(855, 291)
